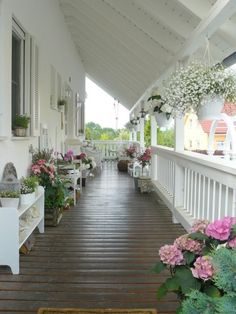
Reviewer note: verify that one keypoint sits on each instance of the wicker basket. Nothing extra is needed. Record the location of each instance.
(123, 165)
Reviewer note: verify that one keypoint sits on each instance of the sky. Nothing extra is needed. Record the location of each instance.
(99, 108)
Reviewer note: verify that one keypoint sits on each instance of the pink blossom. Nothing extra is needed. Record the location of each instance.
(232, 243)
(203, 268)
(41, 162)
(200, 225)
(171, 255)
(220, 229)
(36, 169)
(184, 243)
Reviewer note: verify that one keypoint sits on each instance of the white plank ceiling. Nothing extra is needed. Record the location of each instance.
(127, 45)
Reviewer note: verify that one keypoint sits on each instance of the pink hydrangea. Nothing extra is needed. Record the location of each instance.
(41, 162)
(220, 229)
(203, 268)
(171, 255)
(232, 243)
(184, 243)
(36, 169)
(200, 226)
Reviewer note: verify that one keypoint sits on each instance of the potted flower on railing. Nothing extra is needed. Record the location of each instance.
(161, 110)
(200, 88)
(145, 160)
(28, 186)
(202, 266)
(131, 151)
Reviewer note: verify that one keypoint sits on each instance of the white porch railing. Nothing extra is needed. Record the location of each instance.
(194, 186)
(111, 150)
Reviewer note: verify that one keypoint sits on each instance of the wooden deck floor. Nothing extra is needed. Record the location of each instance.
(99, 256)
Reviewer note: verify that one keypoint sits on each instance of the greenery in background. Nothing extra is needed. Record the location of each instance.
(95, 132)
(165, 138)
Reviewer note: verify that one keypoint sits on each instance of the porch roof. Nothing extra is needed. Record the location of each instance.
(126, 45)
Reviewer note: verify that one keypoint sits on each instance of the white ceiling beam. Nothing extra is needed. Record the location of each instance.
(107, 31)
(218, 14)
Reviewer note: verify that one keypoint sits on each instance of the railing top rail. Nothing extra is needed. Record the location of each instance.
(204, 160)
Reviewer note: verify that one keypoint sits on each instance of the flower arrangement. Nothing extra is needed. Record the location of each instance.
(9, 194)
(28, 184)
(188, 86)
(131, 151)
(201, 264)
(145, 158)
(159, 106)
(88, 163)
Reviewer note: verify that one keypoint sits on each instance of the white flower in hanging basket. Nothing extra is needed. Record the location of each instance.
(189, 85)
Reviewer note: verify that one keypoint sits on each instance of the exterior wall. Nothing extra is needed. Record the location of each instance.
(194, 134)
(45, 22)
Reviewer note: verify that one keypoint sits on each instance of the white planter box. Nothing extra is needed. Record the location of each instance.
(26, 199)
(9, 202)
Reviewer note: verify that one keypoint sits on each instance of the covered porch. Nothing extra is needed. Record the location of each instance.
(100, 256)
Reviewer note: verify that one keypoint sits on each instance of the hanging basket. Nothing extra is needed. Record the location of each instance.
(211, 107)
(161, 119)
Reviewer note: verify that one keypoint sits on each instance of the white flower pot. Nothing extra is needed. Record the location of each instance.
(211, 107)
(9, 202)
(161, 119)
(26, 199)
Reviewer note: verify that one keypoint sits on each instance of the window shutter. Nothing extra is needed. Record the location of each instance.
(35, 106)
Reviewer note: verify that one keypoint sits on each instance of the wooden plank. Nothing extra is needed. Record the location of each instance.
(99, 256)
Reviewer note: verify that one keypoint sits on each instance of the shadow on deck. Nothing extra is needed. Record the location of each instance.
(99, 256)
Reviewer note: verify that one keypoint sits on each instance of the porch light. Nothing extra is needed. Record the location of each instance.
(142, 113)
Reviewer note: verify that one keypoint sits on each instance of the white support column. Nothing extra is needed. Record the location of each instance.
(131, 135)
(179, 134)
(153, 131)
(154, 143)
(142, 122)
(179, 171)
(134, 136)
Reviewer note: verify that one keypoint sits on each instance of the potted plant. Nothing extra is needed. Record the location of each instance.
(161, 110)
(202, 266)
(10, 198)
(192, 87)
(61, 103)
(20, 125)
(27, 189)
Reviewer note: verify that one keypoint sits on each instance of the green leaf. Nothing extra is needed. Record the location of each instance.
(233, 230)
(158, 97)
(179, 310)
(186, 280)
(212, 291)
(161, 291)
(158, 268)
(189, 257)
(172, 284)
(206, 250)
(198, 236)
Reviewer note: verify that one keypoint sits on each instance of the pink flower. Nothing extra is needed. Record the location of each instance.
(220, 229)
(200, 226)
(41, 162)
(203, 268)
(36, 169)
(171, 255)
(232, 243)
(184, 243)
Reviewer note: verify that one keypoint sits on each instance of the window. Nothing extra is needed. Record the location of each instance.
(25, 96)
(18, 70)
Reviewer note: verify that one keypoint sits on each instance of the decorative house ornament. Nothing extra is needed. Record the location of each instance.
(188, 86)
(9, 178)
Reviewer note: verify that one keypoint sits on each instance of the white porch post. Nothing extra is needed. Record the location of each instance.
(179, 171)
(130, 136)
(134, 136)
(142, 122)
(154, 143)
